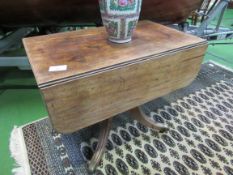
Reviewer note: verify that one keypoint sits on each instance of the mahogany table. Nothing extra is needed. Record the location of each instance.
(85, 79)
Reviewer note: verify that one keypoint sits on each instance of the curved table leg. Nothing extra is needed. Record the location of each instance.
(140, 116)
(102, 141)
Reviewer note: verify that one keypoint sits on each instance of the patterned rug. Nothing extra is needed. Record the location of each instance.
(199, 141)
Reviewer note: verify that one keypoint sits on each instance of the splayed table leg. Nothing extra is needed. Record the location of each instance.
(102, 141)
(139, 115)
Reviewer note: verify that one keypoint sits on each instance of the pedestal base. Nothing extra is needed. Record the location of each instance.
(102, 141)
(137, 114)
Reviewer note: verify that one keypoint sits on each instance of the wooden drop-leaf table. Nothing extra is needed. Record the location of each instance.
(85, 79)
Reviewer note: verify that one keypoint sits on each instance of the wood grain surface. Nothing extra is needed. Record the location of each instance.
(106, 79)
(80, 103)
(86, 51)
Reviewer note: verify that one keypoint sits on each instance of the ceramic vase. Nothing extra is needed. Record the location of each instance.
(120, 18)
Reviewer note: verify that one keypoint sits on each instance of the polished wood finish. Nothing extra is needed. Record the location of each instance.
(102, 142)
(104, 79)
(15, 13)
(139, 115)
(88, 51)
(168, 12)
(230, 6)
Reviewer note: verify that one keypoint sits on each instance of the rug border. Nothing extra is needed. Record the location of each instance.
(220, 65)
(33, 122)
(18, 152)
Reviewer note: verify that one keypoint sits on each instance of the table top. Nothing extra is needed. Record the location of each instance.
(65, 56)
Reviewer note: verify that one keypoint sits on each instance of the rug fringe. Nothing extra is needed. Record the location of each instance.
(18, 152)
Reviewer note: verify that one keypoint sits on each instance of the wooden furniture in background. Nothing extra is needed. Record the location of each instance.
(103, 79)
(230, 4)
(61, 12)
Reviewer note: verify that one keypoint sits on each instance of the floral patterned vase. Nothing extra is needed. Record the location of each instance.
(120, 18)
